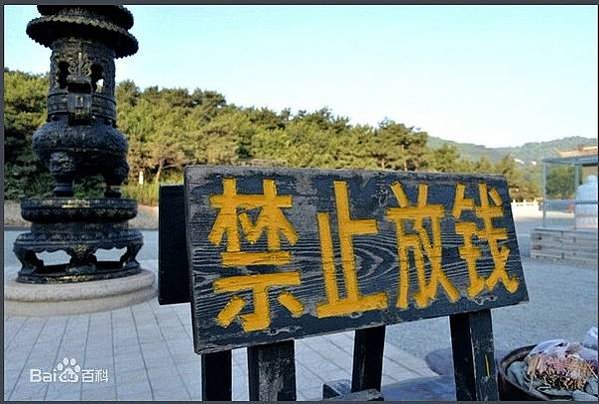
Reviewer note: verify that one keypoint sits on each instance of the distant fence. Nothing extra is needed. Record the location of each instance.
(526, 208)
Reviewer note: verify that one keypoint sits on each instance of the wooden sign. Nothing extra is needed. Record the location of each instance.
(278, 254)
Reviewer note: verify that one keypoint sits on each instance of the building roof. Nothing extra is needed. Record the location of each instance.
(582, 160)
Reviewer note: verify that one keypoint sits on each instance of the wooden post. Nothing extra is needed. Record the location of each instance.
(271, 369)
(367, 366)
(173, 268)
(216, 376)
(473, 356)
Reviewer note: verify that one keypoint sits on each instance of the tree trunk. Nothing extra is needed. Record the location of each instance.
(157, 177)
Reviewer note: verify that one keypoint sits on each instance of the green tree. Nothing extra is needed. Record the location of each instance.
(397, 147)
(507, 167)
(483, 166)
(447, 159)
(223, 140)
(24, 112)
(560, 182)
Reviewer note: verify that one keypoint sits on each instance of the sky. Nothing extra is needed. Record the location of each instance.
(490, 75)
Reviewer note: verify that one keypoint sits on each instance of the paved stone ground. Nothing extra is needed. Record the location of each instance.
(147, 351)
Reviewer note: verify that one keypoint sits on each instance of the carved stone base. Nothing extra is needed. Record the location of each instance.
(21, 299)
(78, 227)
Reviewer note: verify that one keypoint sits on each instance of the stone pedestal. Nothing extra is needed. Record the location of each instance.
(78, 227)
(22, 299)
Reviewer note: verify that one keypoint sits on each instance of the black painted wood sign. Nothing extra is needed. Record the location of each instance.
(279, 254)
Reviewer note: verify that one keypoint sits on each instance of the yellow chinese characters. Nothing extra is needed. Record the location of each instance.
(259, 285)
(258, 241)
(270, 221)
(421, 245)
(354, 301)
(469, 252)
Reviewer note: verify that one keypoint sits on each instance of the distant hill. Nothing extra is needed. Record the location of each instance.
(528, 152)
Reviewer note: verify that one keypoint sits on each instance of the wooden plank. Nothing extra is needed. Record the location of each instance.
(586, 245)
(583, 243)
(473, 356)
(553, 240)
(367, 369)
(581, 254)
(549, 248)
(566, 246)
(556, 238)
(173, 267)
(556, 256)
(589, 240)
(271, 372)
(216, 376)
(566, 250)
(563, 235)
(342, 250)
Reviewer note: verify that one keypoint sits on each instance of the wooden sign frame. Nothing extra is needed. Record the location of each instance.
(351, 250)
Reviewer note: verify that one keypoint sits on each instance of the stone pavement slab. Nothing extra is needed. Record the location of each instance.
(146, 352)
